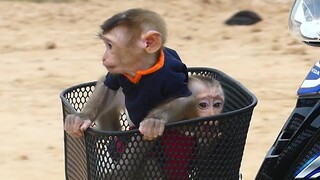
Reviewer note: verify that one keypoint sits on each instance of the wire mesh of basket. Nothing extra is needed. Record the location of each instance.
(201, 148)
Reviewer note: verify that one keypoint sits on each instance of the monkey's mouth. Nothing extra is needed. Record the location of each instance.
(110, 68)
(113, 70)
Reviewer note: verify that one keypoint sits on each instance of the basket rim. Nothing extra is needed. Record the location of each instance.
(250, 107)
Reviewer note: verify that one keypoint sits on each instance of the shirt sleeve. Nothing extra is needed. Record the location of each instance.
(112, 81)
(177, 84)
(172, 53)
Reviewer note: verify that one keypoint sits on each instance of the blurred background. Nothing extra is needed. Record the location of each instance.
(47, 46)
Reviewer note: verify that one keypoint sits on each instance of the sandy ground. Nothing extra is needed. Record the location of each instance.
(47, 47)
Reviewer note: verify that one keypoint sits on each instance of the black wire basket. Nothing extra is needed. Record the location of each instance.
(201, 148)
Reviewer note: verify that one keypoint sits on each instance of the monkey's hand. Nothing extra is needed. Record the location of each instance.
(152, 127)
(75, 124)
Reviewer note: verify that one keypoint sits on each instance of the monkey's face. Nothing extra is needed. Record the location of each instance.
(210, 102)
(119, 57)
(209, 97)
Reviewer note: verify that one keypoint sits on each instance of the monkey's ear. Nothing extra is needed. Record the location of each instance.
(152, 41)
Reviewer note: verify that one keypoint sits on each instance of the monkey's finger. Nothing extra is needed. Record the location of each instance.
(74, 124)
(156, 129)
(159, 128)
(143, 130)
(86, 124)
(77, 134)
(76, 131)
(69, 122)
(145, 126)
(69, 126)
(147, 138)
(150, 127)
(142, 127)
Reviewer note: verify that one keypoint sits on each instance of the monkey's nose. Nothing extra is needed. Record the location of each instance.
(104, 57)
(211, 112)
(104, 60)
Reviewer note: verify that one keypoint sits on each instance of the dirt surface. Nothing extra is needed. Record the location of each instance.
(47, 47)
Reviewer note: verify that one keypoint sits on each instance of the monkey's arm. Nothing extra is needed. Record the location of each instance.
(75, 124)
(175, 110)
(98, 100)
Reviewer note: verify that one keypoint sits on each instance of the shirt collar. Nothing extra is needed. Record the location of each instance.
(154, 68)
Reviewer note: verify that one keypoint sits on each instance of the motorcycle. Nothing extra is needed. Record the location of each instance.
(295, 154)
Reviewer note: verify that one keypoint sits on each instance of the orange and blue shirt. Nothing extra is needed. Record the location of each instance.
(168, 78)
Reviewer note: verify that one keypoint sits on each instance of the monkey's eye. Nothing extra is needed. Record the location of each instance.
(218, 105)
(203, 105)
(109, 45)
